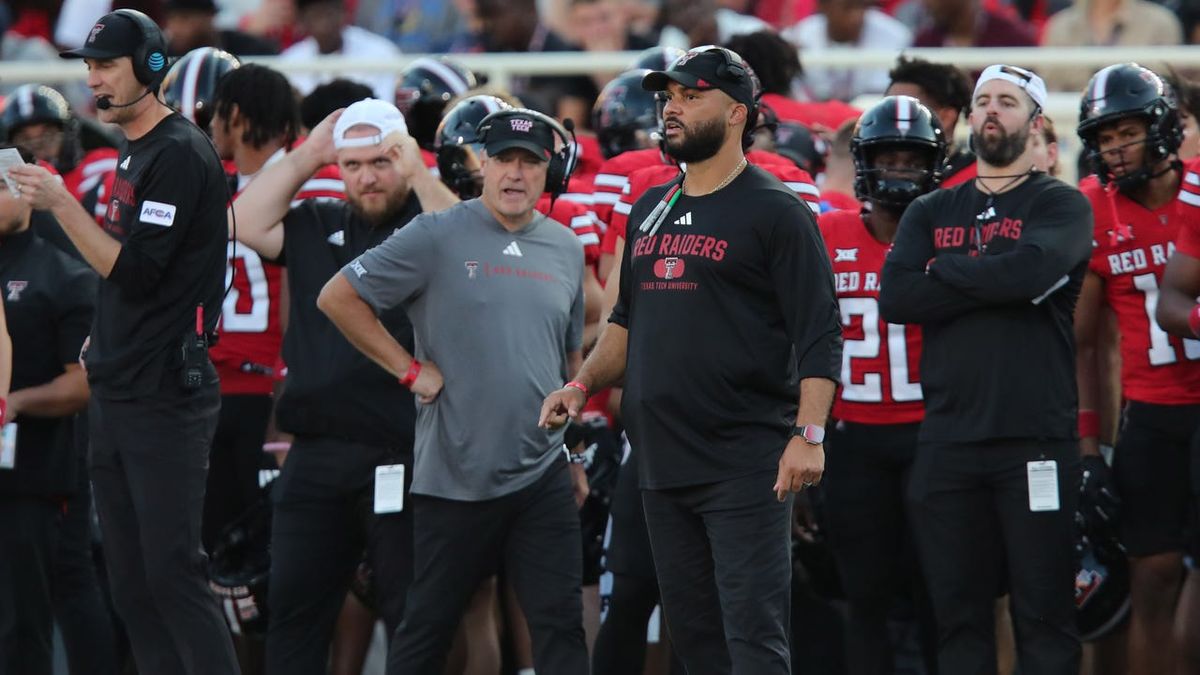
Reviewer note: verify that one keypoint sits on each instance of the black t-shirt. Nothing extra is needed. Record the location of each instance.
(48, 299)
(728, 305)
(332, 389)
(167, 208)
(998, 358)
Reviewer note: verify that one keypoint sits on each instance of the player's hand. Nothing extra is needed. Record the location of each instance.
(411, 162)
(429, 383)
(561, 406)
(801, 466)
(38, 187)
(319, 144)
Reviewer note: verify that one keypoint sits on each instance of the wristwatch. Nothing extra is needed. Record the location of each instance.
(811, 433)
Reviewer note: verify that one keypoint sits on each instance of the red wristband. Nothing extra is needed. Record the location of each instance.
(1089, 424)
(414, 369)
(578, 385)
(1194, 321)
(3, 409)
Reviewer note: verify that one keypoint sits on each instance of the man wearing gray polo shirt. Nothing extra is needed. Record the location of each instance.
(494, 291)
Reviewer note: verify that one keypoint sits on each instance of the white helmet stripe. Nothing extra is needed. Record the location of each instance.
(187, 102)
(450, 76)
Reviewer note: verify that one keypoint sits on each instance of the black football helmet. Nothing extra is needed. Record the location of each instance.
(239, 568)
(657, 58)
(1127, 90)
(425, 87)
(457, 139)
(191, 84)
(896, 122)
(625, 116)
(806, 149)
(39, 104)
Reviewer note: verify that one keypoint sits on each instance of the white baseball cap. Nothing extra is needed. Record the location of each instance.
(370, 112)
(1027, 80)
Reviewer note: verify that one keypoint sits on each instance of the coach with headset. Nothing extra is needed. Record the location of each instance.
(154, 404)
(495, 294)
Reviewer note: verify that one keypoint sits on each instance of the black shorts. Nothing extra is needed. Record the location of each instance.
(1153, 471)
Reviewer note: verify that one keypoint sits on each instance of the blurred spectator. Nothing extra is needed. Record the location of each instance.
(76, 17)
(692, 23)
(326, 98)
(274, 20)
(603, 26)
(966, 23)
(1106, 23)
(190, 24)
(1045, 149)
(777, 65)
(329, 33)
(946, 91)
(515, 26)
(847, 24)
(1188, 94)
(416, 26)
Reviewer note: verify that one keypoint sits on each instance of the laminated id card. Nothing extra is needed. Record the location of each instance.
(1043, 485)
(8, 446)
(389, 488)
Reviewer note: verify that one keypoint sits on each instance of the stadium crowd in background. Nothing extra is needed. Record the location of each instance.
(829, 369)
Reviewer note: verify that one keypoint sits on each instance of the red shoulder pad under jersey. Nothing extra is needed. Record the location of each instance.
(838, 201)
(1131, 248)
(612, 178)
(880, 360)
(828, 114)
(639, 181)
(90, 171)
(798, 181)
(968, 172)
(576, 217)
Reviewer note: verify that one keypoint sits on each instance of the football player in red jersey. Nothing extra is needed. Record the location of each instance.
(254, 120)
(898, 151)
(945, 90)
(1142, 196)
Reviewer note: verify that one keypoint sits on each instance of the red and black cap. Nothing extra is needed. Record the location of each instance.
(708, 67)
(112, 37)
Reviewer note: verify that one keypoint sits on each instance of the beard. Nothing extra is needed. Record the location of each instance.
(379, 215)
(697, 143)
(1003, 148)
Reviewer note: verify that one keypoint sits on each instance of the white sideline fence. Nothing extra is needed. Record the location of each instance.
(1062, 107)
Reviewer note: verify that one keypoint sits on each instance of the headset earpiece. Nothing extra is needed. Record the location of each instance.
(150, 56)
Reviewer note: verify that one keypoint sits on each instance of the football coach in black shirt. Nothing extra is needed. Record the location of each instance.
(725, 314)
(154, 400)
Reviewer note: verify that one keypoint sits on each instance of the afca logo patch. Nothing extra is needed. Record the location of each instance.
(157, 213)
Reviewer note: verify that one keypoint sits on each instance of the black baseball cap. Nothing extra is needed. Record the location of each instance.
(706, 68)
(113, 36)
(520, 129)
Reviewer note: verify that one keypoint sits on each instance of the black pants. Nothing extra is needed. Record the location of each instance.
(865, 485)
(28, 532)
(723, 557)
(534, 534)
(234, 462)
(79, 608)
(972, 519)
(324, 520)
(149, 460)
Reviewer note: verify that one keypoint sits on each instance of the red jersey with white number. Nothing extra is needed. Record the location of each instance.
(880, 360)
(576, 217)
(643, 179)
(250, 329)
(1132, 245)
(588, 158)
(92, 170)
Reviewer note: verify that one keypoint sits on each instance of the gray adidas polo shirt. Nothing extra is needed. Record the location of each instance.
(498, 312)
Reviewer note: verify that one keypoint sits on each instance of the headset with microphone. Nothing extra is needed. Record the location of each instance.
(562, 161)
(149, 58)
